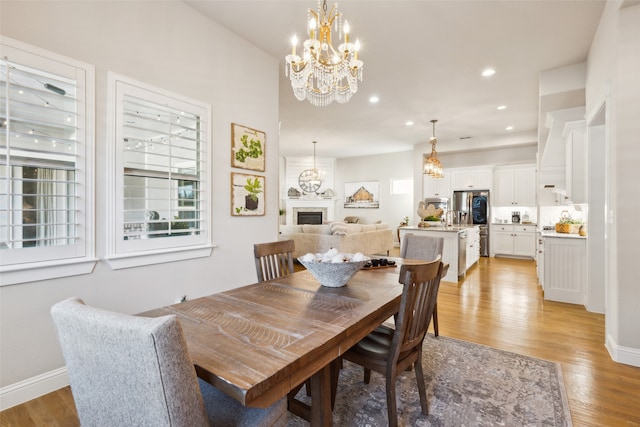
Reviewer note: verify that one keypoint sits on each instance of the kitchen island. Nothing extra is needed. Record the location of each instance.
(461, 246)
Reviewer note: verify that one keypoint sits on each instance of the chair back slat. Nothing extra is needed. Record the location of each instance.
(274, 259)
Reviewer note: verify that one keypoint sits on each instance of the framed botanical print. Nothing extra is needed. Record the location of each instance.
(247, 148)
(247, 194)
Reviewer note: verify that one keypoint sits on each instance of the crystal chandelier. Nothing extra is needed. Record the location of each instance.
(324, 74)
(310, 180)
(432, 165)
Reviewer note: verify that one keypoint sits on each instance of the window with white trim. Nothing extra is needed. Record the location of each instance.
(160, 205)
(46, 164)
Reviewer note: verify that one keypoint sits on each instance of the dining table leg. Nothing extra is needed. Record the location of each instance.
(321, 399)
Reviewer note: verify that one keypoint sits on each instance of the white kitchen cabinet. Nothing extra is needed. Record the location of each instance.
(473, 246)
(514, 186)
(471, 178)
(565, 269)
(576, 161)
(514, 240)
(437, 187)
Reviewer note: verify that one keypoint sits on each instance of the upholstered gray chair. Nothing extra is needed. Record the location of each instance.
(426, 248)
(136, 371)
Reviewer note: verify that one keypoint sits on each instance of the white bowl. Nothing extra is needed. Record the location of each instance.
(333, 275)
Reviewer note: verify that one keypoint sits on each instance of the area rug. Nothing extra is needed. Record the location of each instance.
(467, 385)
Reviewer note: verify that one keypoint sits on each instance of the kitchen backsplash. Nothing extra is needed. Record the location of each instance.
(549, 215)
(502, 214)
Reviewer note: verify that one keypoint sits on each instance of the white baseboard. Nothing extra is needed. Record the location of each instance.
(34, 387)
(621, 354)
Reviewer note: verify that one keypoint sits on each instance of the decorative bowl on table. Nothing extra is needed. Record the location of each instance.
(333, 274)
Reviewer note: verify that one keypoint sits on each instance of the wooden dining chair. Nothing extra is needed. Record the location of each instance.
(136, 371)
(424, 248)
(391, 351)
(274, 259)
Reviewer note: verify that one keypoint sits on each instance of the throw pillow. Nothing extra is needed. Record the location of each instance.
(338, 228)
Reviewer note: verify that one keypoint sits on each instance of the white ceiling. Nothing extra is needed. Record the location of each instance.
(423, 59)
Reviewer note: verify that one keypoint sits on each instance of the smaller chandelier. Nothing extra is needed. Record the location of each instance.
(432, 165)
(310, 180)
(324, 74)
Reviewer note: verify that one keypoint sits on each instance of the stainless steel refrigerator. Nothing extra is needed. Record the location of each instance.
(472, 207)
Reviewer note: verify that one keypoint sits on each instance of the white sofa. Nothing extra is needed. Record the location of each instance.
(347, 238)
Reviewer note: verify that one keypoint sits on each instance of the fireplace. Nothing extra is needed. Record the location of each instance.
(313, 217)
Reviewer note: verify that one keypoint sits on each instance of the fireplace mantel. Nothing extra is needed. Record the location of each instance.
(325, 205)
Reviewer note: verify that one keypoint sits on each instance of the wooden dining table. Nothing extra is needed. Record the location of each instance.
(261, 342)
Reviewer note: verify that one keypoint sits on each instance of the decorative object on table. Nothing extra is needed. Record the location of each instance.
(431, 165)
(247, 194)
(467, 384)
(404, 222)
(430, 215)
(247, 148)
(379, 263)
(323, 73)
(362, 194)
(310, 180)
(333, 269)
(566, 224)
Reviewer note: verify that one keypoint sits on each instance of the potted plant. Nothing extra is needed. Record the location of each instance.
(253, 187)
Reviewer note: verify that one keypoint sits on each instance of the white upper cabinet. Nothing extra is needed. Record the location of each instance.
(436, 187)
(471, 178)
(576, 161)
(514, 186)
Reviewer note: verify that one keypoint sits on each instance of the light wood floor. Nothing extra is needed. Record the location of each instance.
(499, 304)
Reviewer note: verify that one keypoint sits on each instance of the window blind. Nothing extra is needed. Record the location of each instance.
(38, 157)
(163, 157)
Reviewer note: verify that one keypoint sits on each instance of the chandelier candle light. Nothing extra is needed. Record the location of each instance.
(324, 74)
(432, 165)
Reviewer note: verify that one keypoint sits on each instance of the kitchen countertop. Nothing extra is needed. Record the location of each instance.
(452, 229)
(553, 233)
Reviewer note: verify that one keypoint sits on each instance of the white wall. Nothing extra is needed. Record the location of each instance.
(382, 168)
(169, 45)
(614, 62)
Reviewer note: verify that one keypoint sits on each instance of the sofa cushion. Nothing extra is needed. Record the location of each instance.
(381, 226)
(338, 228)
(354, 228)
(288, 229)
(368, 227)
(317, 228)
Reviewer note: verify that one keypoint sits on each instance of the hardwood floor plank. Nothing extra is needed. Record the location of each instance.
(498, 304)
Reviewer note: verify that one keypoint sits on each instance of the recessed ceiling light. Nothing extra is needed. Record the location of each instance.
(502, 107)
(488, 72)
(509, 128)
(409, 123)
(374, 99)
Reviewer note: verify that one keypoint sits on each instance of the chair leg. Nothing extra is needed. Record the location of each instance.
(422, 388)
(392, 412)
(367, 375)
(435, 319)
